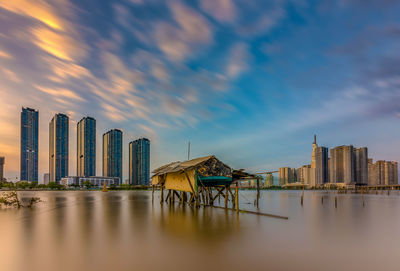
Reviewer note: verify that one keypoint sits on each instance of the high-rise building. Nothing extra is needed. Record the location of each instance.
(321, 166)
(361, 166)
(306, 175)
(383, 173)
(112, 154)
(29, 144)
(2, 160)
(314, 152)
(139, 162)
(287, 175)
(342, 165)
(58, 147)
(86, 147)
(269, 180)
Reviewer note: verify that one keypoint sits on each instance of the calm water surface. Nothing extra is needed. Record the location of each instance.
(126, 231)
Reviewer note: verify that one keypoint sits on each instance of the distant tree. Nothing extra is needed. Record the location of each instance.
(33, 185)
(23, 185)
(87, 184)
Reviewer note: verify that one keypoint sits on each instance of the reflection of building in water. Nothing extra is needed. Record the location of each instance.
(383, 172)
(95, 181)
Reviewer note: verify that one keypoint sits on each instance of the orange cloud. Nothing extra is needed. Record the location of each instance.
(38, 10)
(56, 44)
(60, 92)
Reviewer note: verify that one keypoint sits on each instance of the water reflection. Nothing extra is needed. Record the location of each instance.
(125, 230)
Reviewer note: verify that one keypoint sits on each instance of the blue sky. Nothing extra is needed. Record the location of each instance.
(248, 81)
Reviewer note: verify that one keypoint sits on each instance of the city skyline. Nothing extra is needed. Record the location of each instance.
(245, 74)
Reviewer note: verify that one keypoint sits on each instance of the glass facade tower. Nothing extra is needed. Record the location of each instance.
(58, 147)
(29, 144)
(139, 162)
(86, 147)
(112, 154)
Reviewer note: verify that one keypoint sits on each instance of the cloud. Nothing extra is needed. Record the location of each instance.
(264, 24)
(38, 10)
(238, 60)
(222, 10)
(60, 93)
(59, 45)
(5, 55)
(177, 42)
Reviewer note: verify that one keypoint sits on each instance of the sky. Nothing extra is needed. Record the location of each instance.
(250, 81)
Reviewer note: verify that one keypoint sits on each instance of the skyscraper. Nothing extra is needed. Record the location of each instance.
(58, 147)
(342, 165)
(29, 144)
(86, 147)
(139, 162)
(287, 175)
(112, 154)
(1, 168)
(361, 166)
(319, 162)
(383, 173)
(321, 166)
(314, 152)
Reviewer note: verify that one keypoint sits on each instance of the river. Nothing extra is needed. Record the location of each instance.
(125, 230)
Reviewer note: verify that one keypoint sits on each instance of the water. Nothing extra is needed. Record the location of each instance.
(124, 231)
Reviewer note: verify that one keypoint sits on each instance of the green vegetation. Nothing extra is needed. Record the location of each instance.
(129, 187)
(30, 186)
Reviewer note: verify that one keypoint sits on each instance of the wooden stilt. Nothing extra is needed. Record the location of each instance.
(237, 198)
(226, 197)
(152, 193)
(162, 195)
(258, 191)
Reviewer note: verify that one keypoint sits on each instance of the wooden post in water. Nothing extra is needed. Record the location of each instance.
(335, 202)
(362, 197)
(258, 190)
(322, 200)
(162, 195)
(152, 193)
(237, 198)
(226, 197)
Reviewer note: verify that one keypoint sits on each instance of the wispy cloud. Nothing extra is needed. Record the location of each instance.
(222, 10)
(60, 92)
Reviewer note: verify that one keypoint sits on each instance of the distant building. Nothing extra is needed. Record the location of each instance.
(269, 180)
(287, 175)
(342, 165)
(95, 181)
(314, 152)
(2, 160)
(46, 178)
(321, 166)
(383, 173)
(306, 175)
(139, 162)
(361, 166)
(112, 154)
(86, 147)
(58, 147)
(29, 144)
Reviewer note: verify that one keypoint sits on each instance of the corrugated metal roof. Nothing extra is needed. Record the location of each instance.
(179, 166)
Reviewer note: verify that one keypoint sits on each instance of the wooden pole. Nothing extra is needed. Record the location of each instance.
(258, 191)
(226, 197)
(237, 198)
(162, 195)
(152, 193)
(335, 202)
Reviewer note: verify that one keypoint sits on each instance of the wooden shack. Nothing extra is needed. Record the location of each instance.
(197, 177)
